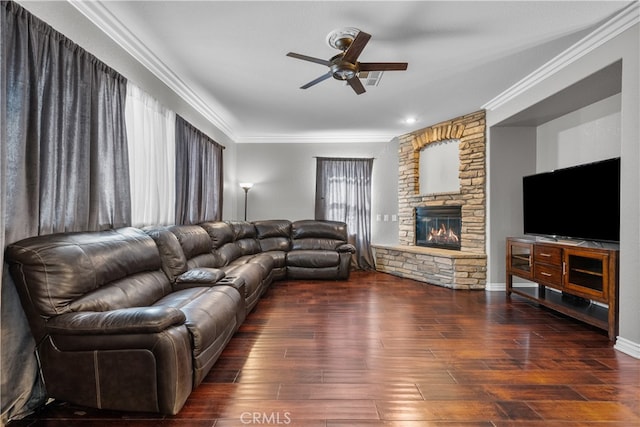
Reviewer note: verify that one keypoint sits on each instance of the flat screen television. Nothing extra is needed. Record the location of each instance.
(580, 202)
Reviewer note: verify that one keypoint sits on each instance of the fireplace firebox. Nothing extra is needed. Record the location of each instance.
(439, 226)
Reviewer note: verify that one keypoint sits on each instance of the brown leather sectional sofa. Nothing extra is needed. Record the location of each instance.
(133, 319)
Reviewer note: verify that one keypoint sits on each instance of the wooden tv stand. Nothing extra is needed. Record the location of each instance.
(584, 275)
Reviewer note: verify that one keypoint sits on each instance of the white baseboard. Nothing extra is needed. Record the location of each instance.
(492, 287)
(501, 286)
(628, 347)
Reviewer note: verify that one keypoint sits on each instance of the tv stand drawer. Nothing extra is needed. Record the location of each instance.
(548, 274)
(547, 254)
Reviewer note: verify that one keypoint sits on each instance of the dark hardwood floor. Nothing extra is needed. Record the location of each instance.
(378, 350)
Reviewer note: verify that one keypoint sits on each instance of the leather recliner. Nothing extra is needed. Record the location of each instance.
(110, 329)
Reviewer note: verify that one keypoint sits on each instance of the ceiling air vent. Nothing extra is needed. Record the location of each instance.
(369, 78)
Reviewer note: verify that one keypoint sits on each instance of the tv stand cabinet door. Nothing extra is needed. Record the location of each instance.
(587, 273)
(520, 258)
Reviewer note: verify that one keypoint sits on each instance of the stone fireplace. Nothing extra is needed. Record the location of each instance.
(462, 267)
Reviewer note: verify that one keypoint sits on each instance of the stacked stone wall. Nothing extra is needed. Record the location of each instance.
(445, 268)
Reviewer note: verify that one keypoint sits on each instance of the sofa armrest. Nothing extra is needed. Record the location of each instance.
(201, 276)
(346, 247)
(122, 321)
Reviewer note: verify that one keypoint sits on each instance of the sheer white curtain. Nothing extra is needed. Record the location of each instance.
(152, 158)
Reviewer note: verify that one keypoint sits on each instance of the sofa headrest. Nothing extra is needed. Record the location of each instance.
(273, 228)
(242, 230)
(59, 268)
(219, 233)
(193, 239)
(174, 262)
(309, 228)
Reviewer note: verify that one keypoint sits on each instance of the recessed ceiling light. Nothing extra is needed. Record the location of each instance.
(410, 120)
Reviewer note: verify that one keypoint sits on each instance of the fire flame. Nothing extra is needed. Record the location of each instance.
(442, 235)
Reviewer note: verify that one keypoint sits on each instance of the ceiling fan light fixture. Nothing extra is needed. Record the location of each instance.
(344, 70)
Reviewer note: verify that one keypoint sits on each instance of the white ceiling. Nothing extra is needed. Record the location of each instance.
(228, 58)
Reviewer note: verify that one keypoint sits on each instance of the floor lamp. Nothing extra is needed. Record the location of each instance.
(246, 186)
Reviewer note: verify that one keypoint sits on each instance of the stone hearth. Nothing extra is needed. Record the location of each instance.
(464, 269)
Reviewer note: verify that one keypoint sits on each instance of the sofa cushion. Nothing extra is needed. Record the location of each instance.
(272, 228)
(310, 235)
(313, 258)
(219, 232)
(193, 239)
(265, 261)
(228, 253)
(138, 290)
(315, 244)
(275, 244)
(274, 235)
(196, 245)
(211, 320)
(253, 276)
(248, 246)
(242, 229)
(309, 228)
(174, 262)
(279, 258)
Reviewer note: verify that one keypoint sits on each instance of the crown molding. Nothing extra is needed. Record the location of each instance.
(619, 23)
(314, 139)
(112, 27)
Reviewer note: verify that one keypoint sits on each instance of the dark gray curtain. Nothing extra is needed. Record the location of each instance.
(64, 165)
(199, 175)
(343, 193)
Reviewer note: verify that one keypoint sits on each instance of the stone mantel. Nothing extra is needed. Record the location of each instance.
(436, 252)
(442, 267)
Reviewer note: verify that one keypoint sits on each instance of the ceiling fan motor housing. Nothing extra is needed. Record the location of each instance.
(343, 70)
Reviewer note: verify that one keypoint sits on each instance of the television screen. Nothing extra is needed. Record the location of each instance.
(580, 202)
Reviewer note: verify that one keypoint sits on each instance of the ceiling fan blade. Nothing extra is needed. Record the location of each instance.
(309, 58)
(316, 81)
(356, 47)
(382, 66)
(356, 84)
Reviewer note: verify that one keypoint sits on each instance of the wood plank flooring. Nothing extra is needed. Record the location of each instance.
(378, 351)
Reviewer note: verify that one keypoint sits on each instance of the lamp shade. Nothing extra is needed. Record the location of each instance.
(246, 185)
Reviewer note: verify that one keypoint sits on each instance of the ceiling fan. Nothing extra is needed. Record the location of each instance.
(345, 66)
